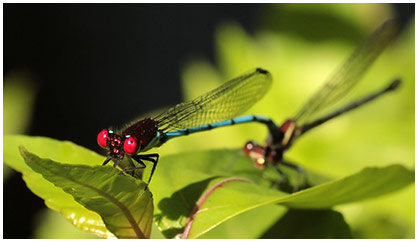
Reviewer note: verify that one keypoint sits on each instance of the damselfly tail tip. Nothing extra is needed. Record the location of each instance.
(394, 85)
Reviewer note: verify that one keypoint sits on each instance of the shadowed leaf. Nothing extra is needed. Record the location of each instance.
(307, 224)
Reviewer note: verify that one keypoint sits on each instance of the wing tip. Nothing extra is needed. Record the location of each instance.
(262, 71)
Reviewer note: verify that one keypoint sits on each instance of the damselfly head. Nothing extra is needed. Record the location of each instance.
(116, 144)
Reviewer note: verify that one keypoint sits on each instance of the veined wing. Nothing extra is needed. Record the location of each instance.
(225, 102)
(348, 75)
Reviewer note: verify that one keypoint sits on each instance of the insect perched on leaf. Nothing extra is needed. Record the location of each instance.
(214, 109)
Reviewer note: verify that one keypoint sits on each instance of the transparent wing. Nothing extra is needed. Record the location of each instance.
(225, 102)
(348, 75)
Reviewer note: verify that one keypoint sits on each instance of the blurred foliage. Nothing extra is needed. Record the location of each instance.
(343, 22)
(53, 225)
(19, 93)
(377, 134)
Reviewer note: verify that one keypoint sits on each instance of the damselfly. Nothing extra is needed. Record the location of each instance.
(214, 109)
(339, 84)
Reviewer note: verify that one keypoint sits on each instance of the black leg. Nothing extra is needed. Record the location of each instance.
(132, 165)
(293, 166)
(148, 157)
(284, 176)
(301, 174)
(275, 165)
(109, 158)
(133, 168)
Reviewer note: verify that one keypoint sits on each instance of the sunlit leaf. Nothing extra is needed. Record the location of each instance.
(257, 221)
(18, 99)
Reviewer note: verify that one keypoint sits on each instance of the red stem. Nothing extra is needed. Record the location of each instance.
(202, 200)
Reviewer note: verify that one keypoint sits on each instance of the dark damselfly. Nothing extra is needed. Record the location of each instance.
(337, 86)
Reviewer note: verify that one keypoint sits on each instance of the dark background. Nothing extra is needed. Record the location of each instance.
(98, 65)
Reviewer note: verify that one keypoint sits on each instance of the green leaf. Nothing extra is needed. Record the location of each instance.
(277, 222)
(368, 183)
(64, 151)
(55, 198)
(203, 176)
(257, 221)
(119, 199)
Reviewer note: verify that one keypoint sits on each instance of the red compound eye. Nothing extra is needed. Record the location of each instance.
(130, 146)
(102, 138)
